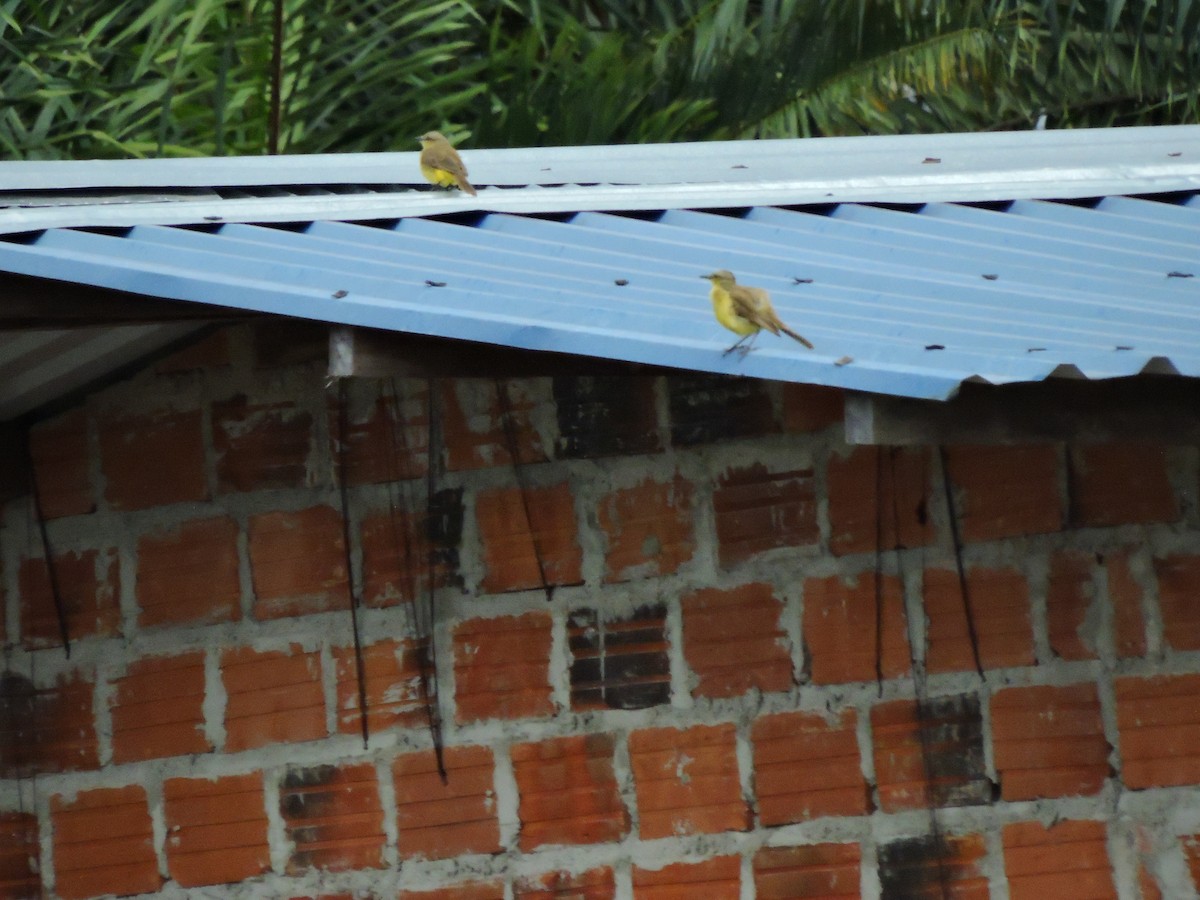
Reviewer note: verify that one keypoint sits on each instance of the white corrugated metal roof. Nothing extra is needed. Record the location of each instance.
(356, 186)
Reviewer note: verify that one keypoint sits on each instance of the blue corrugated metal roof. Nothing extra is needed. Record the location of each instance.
(908, 302)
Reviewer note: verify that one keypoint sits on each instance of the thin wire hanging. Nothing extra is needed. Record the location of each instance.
(510, 439)
(422, 601)
(352, 584)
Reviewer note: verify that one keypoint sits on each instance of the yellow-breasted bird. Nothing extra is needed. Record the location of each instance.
(745, 310)
(441, 164)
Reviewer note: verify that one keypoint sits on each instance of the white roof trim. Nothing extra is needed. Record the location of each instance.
(883, 169)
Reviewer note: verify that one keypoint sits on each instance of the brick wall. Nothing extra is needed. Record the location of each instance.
(717, 700)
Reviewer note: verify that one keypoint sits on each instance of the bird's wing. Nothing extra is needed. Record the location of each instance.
(754, 305)
(446, 159)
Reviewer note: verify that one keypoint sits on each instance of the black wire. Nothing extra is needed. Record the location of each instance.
(401, 536)
(47, 550)
(427, 649)
(359, 665)
(956, 537)
(920, 687)
(510, 438)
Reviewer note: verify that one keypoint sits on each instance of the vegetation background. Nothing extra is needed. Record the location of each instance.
(116, 78)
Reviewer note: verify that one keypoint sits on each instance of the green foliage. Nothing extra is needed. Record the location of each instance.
(588, 71)
(193, 77)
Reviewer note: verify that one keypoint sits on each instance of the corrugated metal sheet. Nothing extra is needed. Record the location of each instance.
(906, 302)
(920, 301)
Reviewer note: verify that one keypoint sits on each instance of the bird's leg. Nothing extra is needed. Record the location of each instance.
(737, 346)
(742, 351)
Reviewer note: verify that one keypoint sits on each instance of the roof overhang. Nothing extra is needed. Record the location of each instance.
(909, 302)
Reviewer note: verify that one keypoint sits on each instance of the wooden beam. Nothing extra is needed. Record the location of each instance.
(1155, 408)
(370, 353)
(28, 302)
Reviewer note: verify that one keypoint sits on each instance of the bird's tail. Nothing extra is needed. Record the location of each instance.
(795, 336)
(465, 186)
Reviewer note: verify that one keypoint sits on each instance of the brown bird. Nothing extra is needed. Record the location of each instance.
(441, 164)
(745, 310)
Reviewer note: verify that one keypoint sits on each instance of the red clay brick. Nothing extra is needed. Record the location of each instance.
(1191, 855)
(1069, 859)
(62, 464)
(648, 529)
(878, 499)
(705, 408)
(392, 674)
(1129, 623)
(619, 662)
(840, 628)
(593, 884)
(733, 641)
(502, 667)
(1121, 483)
(216, 829)
(568, 792)
(474, 426)
(934, 866)
(718, 878)
(1147, 885)
(806, 765)
(1178, 587)
(395, 551)
(260, 445)
(157, 709)
(89, 587)
(153, 460)
(931, 755)
(273, 697)
(999, 604)
(46, 729)
(822, 871)
(1070, 593)
(298, 563)
(511, 552)
(442, 820)
(467, 890)
(606, 415)
(811, 407)
(1049, 741)
(687, 781)
(189, 576)
(757, 510)
(988, 507)
(377, 452)
(103, 843)
(19, 854)
(1159, 725)
(333, 817)
(213, 351)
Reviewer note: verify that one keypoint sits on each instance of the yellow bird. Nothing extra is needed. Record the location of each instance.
(745, 310)
(441, 164)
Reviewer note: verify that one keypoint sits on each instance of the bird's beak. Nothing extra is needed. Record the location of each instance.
(706, 277)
